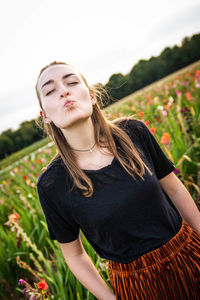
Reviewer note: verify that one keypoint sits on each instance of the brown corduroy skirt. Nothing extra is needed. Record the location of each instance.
(171, 272)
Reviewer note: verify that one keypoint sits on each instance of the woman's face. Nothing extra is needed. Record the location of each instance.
(59, 83)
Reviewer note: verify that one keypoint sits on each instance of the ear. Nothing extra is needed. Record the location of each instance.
(93, 97)
(44, 117)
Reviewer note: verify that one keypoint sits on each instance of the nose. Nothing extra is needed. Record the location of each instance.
(64, 95)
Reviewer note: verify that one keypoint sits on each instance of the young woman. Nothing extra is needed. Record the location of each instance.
(112, 180)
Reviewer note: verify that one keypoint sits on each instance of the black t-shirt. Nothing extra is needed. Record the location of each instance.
(124, 218)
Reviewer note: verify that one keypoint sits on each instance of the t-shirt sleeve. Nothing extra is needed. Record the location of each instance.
(162, 164)
(62, 228)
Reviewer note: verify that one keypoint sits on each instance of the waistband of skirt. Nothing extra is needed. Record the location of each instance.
(159, 255)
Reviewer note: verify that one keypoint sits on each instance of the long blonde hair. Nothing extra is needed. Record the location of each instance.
(102, 128)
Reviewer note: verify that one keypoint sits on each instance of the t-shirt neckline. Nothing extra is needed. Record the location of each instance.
(102, 169)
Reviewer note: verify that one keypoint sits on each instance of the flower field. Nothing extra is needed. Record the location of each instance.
(31, 265)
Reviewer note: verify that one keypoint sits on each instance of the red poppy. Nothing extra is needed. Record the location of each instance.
(153, 130)
(197, 73)
(42, 284)
(165, 138)
(13, 216)
(158, 120)
(149, 102)
(141, 114)
(188, 95)
(166, 106)
(39, 161)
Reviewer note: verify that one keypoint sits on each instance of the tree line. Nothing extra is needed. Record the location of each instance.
(118, 86)
(146, 72)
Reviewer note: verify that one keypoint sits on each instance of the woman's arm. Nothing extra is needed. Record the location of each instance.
(85, 271)
(83, 268)
(182, 199)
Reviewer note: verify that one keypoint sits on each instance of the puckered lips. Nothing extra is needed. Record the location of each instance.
(68, 103)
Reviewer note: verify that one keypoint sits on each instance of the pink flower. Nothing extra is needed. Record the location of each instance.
(178, 93)
(176, 171)
(21, 281)
(164, 112)
(26, 291)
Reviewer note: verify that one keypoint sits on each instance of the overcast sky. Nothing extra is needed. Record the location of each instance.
(97, 37)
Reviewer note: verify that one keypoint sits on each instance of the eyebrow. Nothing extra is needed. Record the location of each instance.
(52, 81)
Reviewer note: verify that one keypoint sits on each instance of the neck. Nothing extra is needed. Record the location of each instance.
(80, 136)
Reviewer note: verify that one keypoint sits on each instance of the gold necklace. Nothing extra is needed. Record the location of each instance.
(91, 149)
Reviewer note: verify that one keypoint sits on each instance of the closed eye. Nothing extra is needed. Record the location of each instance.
(54, 89)
(50, 92)
(73, 82)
